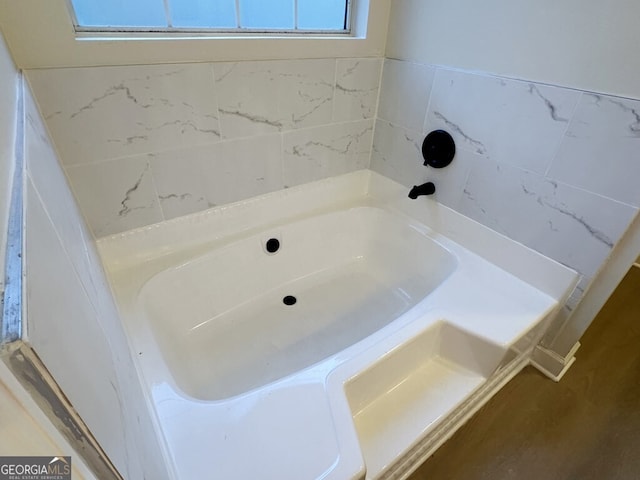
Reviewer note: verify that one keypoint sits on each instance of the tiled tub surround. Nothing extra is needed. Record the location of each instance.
(142, 144)
(386, 352)
(553, 168)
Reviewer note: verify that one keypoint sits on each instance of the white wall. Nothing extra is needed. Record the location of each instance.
(8, 97)
(589, 45)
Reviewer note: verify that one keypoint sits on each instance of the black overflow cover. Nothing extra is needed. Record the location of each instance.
(289, 300)
(273, 244)
(438, 149)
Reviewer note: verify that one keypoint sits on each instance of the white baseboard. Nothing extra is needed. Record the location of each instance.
(551, 364)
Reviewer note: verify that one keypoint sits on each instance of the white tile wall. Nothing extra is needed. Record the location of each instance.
(210, 175)
(8, 102)
(404, 93)
(141, 144)
(116, 195)
(357, 83)
(322, 152)
(263, 97)
(99, 113)
(60, 315)
(576, 227)
(72, 321)
(397, 153)
(551, 167)
(512, 122)
(600, 151)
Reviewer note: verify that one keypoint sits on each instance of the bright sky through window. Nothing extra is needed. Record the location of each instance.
(331, 16)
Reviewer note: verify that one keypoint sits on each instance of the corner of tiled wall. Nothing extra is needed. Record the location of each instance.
(142, 144)
(71, 318)
(9, 79)
(553, 168)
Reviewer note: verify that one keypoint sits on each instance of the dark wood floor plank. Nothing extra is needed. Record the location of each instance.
(587, 427)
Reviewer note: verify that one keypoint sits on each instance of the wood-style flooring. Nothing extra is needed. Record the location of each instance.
(586, 427)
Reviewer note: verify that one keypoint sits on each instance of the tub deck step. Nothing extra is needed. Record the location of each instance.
(391, 423)
(410, 390)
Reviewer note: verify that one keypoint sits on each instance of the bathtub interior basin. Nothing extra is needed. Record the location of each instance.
(408, 391)
(245, 315)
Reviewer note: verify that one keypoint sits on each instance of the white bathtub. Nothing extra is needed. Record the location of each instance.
(354, 350)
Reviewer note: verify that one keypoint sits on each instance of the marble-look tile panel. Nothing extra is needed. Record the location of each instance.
(98, 113)
(116, 195)
(397, 154)
(509, 121)
(51, 185)
(570, 225)
(357, 83)
(404, 93)
(270, 96)
(321, 152)
(179, 182)
(54, 212)
(9, 79)
(56, 303)
(601, 149)
(244, 168)
(197, 178)
(79, 337)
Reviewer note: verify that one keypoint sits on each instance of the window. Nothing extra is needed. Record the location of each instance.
(55, 43)
(237, 16)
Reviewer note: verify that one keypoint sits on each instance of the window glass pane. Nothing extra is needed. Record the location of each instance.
(321, 15)
(263, 14)
(203, 13)
(120, 13)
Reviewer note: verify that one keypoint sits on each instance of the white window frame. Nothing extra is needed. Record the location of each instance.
(133, 31)
(41, 34)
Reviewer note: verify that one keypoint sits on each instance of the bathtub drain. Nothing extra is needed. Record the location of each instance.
(289, 300)
(272, 245)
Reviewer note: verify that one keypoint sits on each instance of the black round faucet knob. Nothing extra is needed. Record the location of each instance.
(438, 149)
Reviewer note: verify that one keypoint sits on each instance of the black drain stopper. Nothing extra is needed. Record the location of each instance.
(273, 244)
(289, 300)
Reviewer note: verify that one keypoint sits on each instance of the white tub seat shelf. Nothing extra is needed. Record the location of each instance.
(395, 420)
(400, 399)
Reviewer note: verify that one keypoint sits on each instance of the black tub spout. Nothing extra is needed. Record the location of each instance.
(425, 189)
